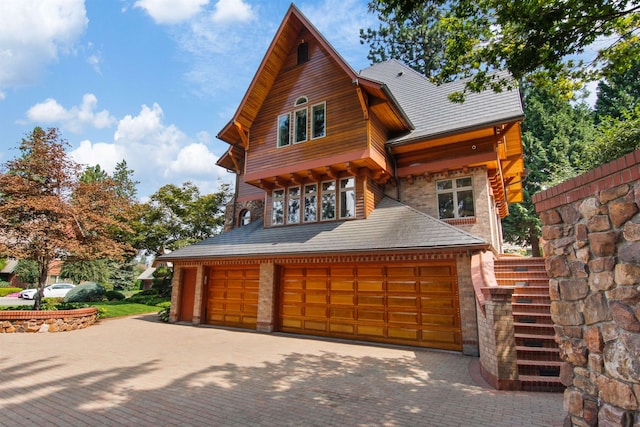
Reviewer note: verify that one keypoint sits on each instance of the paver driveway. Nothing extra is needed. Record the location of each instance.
(137, 371)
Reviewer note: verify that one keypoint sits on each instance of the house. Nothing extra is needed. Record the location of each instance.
(361, 199)
(8, 273)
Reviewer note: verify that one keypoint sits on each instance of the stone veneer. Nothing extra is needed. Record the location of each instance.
(591, 242)
(12, 321)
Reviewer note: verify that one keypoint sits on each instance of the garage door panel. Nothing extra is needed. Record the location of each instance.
(232, 298)
(316, 298)
(433, 286)
(408, 287)
(316, 311)
(316, 283)
(402, 301)
(315, 325)
(341, 284)
(403, 317)
(372, 331)
(403, 333)
(403, 304)
(371, 316)
(370, 300)
(342, 328)
(373, 285)
(342, 313)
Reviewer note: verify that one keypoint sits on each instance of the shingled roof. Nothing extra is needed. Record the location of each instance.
(391, 226)
(429, 108)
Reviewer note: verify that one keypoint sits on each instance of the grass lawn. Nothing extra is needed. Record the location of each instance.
(113, 309)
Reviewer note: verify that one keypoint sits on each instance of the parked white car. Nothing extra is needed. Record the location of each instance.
(57, 290)
(27, 293)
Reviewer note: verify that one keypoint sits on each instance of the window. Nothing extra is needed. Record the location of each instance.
(318, 121)
(303, 53)
(310, 203)
(284, 127)
(328, 200)
(348, 197)
(301, 100)
(455, 198)
(293, 215)
(277, 216)
(245, 217)
(300, 126)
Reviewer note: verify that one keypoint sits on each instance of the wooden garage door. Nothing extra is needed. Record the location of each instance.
(232, 297)
(403, 304)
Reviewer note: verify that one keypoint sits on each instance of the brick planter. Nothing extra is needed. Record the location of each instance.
(12, 321)
(591, 242)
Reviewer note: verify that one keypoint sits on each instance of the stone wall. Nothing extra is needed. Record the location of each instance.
(591, 242)
(12, 321)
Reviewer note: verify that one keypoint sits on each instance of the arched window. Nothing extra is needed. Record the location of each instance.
(245, 217)
(301, 100)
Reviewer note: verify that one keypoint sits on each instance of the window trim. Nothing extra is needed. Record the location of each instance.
(288, 115)
(335, 200)
(288, 204)
(315, 194)
(306, 125)
(281, 199)
(454, 190)
(312, 121)
(344, 190)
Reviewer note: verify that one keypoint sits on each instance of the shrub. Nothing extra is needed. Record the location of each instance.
(4, 284)
(86, 292)
(163, 315)
(114, 296)
(50, 303)
(6, 291)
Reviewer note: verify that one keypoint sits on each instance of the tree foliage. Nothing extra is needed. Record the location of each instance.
(538, 40)
(27, 271)
(554, 147)
(178, 216)
(47, 212)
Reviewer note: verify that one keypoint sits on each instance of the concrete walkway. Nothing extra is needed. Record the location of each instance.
(137, 371)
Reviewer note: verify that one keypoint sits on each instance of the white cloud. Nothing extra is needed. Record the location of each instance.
(193, 160)
(160, 154)
(171, 11)
(232, 11)
(33, 33)
(101, 153)
(75, 119)
(2, 95)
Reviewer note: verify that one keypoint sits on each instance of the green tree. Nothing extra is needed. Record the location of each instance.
(47, 212)
(619, 93)
(27, 271)
(553, 149)
(537, 40)
(416, 38)
(178, 216)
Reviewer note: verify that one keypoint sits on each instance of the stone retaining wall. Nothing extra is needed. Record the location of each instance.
(46, 321)
(591, 242)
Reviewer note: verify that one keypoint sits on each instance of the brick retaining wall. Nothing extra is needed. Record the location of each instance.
(591, 242)
(12, 321)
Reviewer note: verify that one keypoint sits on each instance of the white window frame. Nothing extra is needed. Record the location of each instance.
(291, 198)
(322, 199)
(278, 197)
(455, 190)
(282, 116)
(344, 195)
(307, 195)
(295, 125)
(312, 121)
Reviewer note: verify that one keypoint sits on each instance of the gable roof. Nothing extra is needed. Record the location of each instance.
(392, 226)
(428, 107)
(285, 39)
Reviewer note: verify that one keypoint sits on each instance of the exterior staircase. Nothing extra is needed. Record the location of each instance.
(538, 355)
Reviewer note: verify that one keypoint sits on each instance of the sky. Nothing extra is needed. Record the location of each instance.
(151, 82)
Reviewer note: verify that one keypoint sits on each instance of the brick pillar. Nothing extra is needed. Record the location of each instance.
(498, 358)
(175, 294)
(266, 298)
(197, 300)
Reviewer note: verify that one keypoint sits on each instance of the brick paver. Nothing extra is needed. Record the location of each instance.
(137, 371)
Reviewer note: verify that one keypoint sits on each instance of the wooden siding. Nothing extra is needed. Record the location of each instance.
(320, 80)
(247, 191)
(374, 193)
